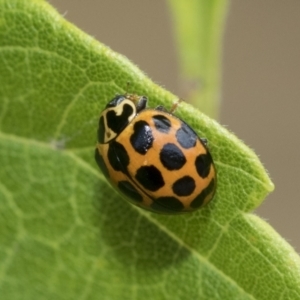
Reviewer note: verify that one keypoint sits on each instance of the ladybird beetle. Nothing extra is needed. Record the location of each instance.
(153, 158)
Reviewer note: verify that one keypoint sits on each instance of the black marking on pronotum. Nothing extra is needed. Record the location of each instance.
(118, 123)
(101, 130)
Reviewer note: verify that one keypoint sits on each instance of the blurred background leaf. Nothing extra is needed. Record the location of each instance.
(198, 29)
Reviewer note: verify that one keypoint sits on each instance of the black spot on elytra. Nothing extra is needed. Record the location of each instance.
(130, 191)
(101, 130)
(118, 157)
(150, 178)
(101, 163)
(203, 163)
(142, 138)
(198, 201)
(186, 137)
(162, 123)
(172, 157)
(118, 123)
(184, 186)
(167, 204)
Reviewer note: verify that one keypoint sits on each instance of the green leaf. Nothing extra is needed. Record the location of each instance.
(65, 234)
(198, 28)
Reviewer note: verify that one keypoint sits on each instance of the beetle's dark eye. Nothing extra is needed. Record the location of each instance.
(116, 101)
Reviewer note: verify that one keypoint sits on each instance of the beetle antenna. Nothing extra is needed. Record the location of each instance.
(175, 105)
(127, 87)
